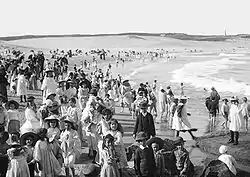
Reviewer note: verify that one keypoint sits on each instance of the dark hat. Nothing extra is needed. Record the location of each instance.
(4, 136)
(16, 104)
(179, 140)
(4, 99)
(140, 136)
(61, 81)
(51, 94)
(24, 136)
(106, 112)
(91, 169)
(156, 140)
(41, 131)
(30, 98)
(54, 106)
(143, 105)
(93, 91)
(225, 99)
(109, 136)
(234, 98)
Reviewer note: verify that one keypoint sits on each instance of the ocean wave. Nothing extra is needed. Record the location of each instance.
(201, 75)
(231, 54)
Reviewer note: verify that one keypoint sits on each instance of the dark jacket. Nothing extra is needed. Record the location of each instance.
(144, 162)
(145, 124)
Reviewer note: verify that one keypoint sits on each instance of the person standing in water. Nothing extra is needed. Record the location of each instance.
(182, 89)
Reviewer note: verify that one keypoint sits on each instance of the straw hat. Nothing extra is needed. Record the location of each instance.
(16, 104)
(71, 121)
(49, 70)
(140, 136)
(24, 136)
(52, 117)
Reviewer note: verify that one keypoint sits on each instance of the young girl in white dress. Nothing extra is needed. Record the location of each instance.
(116, 131)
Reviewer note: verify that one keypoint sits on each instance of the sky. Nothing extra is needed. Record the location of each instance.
(22, 17)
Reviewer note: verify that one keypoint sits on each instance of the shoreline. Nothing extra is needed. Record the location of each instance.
(199, 159)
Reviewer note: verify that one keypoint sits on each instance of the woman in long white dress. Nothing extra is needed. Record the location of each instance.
(32, 123)
(49, 84)
(180, 119)
(22, 85)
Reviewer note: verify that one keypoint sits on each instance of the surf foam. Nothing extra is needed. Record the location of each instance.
(202, 75)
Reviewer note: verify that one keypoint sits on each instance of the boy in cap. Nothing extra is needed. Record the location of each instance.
(144, 161)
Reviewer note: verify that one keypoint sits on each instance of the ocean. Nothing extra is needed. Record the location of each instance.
(227, 70)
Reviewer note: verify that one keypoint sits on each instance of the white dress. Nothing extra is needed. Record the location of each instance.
(181, 123)
(32, 124)
(21, 85)
(49, 85)
(236, 118)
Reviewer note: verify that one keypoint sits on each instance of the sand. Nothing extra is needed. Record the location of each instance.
(209, 146)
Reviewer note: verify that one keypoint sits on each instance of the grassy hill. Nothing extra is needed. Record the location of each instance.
(181, 36)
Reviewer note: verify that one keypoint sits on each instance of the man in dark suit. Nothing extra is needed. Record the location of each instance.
(144, 122)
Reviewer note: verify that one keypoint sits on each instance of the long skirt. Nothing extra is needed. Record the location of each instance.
(109, 171)
(18, 167)
(14, 126)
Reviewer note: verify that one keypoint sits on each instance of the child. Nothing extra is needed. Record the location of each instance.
(3, 114)
(183, 164)
(70, 146)
(227, 159)
(109, 103)
(28, 141)
(91, 133)
(159, 161)
(48, 165)
(108, 158)
(22, 85)
(83, 95)
(13, 116)
(144, 160)
(225, 112)
(17, 164)
(116, 131)
(4, 136)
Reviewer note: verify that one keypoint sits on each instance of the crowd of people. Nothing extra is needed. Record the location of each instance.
(79, 107)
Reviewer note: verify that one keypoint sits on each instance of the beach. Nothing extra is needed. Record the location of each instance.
(209, 66)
